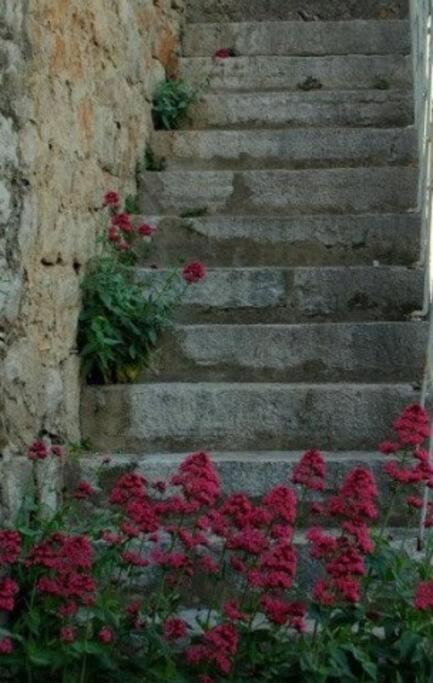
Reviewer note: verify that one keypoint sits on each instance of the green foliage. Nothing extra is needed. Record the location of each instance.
(121, 320)
(171, 101)
(381, 83)
(131, 204)
(310, 83)
(194, 212)
(152, 162)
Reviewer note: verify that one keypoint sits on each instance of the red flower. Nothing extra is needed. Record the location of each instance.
(194, 272)
(111, 538)
(414, 502)
(6, 646)
(129, 487)
(114, 234)
(277, 568)
(175, 628)
(412, 427)
(67, 610)
(134, 558)
(39, 450)
(68, 634)
(356, 498)
(223, 53)
(209, 565)
(8, 591)
(424, 596)
(310, 471)
(105, 635)
(111, 199)
(281, 503)
(10, 546)
(146, 230)
(84, 490)
(232, 611)
(219, 646)
(281, 612)
(323, 544)
(198, 480)
(123, 222)
(389, 447)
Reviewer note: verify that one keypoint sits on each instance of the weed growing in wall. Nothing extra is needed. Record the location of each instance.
(121, 319)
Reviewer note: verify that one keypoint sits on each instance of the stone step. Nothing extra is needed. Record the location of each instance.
(253, 472)
(236, 110)
(294, 295)
(311, 191)
(295, 38)
(303, 240)
(347, 352)
(293, 10)
(339, 72)
(292, 149)
(178, 417)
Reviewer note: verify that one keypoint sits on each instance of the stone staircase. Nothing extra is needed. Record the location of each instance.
(302, 203)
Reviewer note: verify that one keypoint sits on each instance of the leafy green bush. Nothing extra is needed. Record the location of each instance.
(121, 319)
(170, 103)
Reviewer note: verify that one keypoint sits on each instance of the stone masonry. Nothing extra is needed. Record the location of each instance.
(77, 78)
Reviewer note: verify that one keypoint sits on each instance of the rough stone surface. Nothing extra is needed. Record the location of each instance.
(316, 108)
(291, 149)
(252, 472)
(256, 10)
(287, 241)
(309, 38)
(76, 82)
(311, 191)
(342, 352)
(268, 73)
(245, 295)
(222, 416)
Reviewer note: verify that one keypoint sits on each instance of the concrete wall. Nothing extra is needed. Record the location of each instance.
(76, 82)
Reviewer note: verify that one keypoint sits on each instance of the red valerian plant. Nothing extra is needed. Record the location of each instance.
(122, 319)
(225, 53)
(295, 584)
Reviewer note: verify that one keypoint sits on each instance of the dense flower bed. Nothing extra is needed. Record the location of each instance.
(95, 592)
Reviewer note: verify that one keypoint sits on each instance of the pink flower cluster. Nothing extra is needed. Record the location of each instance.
(67, 561)
(410, 466)
(122, 232)
(41, 450)
(354, 506)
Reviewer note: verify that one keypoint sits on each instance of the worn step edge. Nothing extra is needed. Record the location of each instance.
(248, 241)
(328, 352)
(297, 148)
(320, 108)
(176, 416)
(295, 38)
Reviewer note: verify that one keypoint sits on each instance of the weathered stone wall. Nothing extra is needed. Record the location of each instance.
(76, 80)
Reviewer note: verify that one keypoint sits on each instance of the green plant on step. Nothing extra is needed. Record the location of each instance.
(132, 205)
(194, 212)
(381, 83)
(171, 101)
(152, 162)
(310, 83)
(121, 320)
